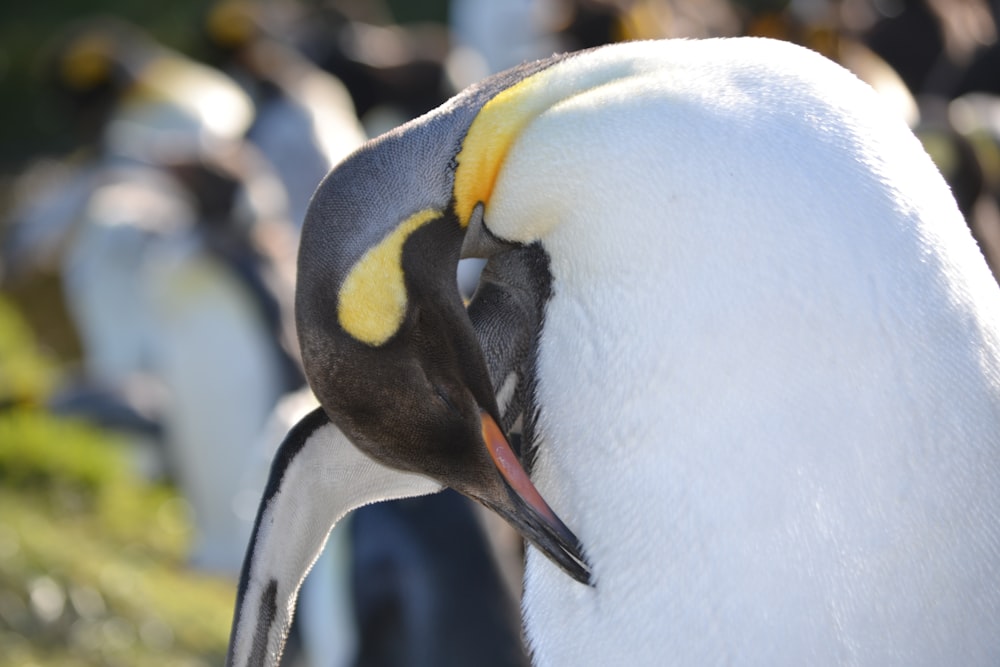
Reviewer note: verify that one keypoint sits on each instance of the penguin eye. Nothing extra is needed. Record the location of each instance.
(418, 326)
(441, 394)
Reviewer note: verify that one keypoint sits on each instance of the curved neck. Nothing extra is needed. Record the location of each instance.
(317, 477)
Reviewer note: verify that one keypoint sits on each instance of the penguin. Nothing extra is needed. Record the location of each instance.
(750, 343)
(305, 120)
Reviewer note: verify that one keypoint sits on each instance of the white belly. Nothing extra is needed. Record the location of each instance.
(770, 391)
(798, 525)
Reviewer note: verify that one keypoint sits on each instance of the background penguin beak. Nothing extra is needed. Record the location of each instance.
(528, 512)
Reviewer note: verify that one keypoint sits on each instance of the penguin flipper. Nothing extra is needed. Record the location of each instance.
(317, 477)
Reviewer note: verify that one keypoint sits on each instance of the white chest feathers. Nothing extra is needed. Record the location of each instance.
(769, 377)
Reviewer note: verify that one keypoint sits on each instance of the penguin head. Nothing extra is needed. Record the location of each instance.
(410, 398)
(389, 349)
(387, 345)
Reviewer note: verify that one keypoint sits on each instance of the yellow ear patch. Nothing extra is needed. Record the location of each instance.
(371, 304)
(88, 63)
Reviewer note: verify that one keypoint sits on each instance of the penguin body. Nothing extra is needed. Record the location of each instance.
(755, 351)
(767, 386)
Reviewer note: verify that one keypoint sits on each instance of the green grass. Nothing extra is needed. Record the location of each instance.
(92, 567)
(26, 374)
(92, 557)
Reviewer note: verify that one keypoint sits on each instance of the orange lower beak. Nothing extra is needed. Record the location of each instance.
(530, 514)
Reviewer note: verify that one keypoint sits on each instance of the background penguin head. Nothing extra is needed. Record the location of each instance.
(137, 98)
(91, 66)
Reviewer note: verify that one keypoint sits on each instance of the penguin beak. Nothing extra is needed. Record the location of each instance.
(528, 512)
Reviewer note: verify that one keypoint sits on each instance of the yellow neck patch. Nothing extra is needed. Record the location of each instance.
(372, 300)
(498, 124)
(490, 136)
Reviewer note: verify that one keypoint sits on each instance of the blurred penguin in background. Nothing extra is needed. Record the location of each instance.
(305, 121)
(947, 53)
(488, 37)
(163, 238)
(394, 72)
(177, 272)
(931, 43)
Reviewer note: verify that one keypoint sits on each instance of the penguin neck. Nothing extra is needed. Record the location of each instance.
(507, 314)
(317, 478)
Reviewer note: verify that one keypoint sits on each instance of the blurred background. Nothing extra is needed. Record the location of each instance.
(156, 160)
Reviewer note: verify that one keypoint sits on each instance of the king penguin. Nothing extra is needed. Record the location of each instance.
(750, 343)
